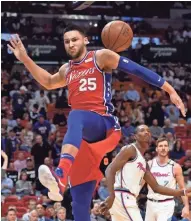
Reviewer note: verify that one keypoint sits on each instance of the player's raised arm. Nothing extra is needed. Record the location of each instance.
(108, 60)
(121, 159)
(149, 178)
(42, 76)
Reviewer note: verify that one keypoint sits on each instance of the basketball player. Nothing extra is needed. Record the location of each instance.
(125, 177)
(167, 173)
(91, 126)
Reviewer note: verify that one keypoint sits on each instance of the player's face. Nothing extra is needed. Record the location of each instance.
(75, 43)
(162, 148)
(143, 134)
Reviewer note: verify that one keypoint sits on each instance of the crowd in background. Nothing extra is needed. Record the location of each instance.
(34, 121)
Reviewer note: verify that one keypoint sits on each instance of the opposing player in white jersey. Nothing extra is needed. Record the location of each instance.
(125, 176)
(167, 173)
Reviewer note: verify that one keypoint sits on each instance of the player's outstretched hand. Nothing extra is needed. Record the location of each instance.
(17, 47)
(106, 205)
(186, 213)
(174, 97)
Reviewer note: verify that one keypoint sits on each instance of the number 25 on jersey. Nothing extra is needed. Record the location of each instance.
(88, 84)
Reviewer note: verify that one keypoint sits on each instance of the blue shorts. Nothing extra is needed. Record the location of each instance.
(89, 126)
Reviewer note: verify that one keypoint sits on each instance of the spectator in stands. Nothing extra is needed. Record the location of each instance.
(39, 152)
(61, 214)
(187, 165)
(57, 206)
(169, 34)
(168, 77)
(178, 151)
(41, 213)
(11, 123)
(56, 150)
(53, 127)
(23, 187)
(12, 173)
(34, 113)
(20, 163)
(14, 140)
(137, 115)
(131, 94)
(42, 102)
(60, 118)
(6, 184)
(179, 82)
(42, 127)
(171, 140)
(46, 202)
(47, 162)
(148, 156)
(33, 216)
(6, 144)
(95, 213)
(102, 190)
(31, 207)
(30, 170)
(25, 119)
(27, 137)
(184, 158)
(19, 127)
(19, 101)
(11, 215)
(156, 130)
(167, 127)
(51, 212)
(128, 129)
(187, 178)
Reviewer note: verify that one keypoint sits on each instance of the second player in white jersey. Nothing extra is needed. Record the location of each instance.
(167, 173)
(164, 174)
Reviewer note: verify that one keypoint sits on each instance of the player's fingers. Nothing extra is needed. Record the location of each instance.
(12, 43)
(14, 40)
(9, 46)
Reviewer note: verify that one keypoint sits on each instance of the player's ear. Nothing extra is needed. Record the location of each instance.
(86, 41)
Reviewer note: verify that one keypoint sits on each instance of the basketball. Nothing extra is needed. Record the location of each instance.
(117, 36)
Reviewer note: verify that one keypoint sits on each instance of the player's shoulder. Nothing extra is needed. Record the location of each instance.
(177, 169)
(129, 149)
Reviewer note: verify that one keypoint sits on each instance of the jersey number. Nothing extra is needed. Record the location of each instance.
(87, 84)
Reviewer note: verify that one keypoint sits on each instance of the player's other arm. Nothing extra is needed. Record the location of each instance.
(151, 181)
(180, 180)
(108, 60)
(42, 76)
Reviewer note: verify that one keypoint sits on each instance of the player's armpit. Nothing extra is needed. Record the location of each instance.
(151, 181)
(120, 160)
(107, 60)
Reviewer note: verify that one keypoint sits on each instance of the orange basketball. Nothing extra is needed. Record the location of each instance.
(117, 36)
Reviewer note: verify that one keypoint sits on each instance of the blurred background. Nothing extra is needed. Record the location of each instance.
(34, 121)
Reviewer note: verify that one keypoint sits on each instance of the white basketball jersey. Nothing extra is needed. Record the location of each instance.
(164, 176)
(132, 173)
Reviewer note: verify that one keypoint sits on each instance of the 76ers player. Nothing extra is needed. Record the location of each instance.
(167, 173)
(126, 176)
(88, 78)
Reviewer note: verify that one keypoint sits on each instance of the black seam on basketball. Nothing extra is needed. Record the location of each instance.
(122, 44)
(117, 37)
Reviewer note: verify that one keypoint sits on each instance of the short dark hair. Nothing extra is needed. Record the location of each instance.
(161, 139)
(11, 210)
(72, 27)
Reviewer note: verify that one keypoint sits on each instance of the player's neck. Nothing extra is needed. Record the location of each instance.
(162, 160)
(142, 146)
(78, 59)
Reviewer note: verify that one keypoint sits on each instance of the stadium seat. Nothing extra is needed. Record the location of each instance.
(27, 198)
(11, 199)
